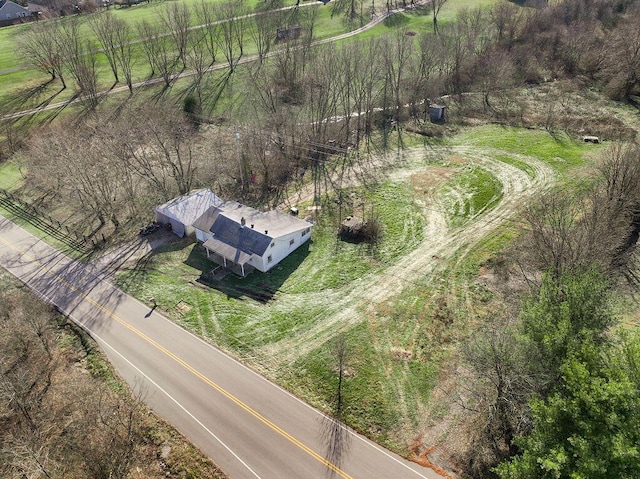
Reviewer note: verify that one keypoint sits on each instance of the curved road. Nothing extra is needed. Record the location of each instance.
(250, 427)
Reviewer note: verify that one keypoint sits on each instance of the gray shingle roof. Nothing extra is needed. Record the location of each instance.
(10, 10)
(244, 238)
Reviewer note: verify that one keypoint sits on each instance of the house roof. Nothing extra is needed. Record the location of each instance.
(188, 208)
(274, 222)
(12, 9)
(259, 229)
(244, 238)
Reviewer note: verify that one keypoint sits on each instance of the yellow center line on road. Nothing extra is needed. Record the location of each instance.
(56, 277)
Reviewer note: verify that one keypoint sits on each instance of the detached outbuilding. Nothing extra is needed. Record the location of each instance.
(436, 113)
(183, 211)
(241, 238)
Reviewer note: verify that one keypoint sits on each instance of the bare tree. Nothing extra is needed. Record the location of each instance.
(308, 18)
(176, 18)
(208, 19)
(27, 366)
(159, 147)
(321, 81)
(495, 73)
(398, 54)
(41, 44)
(124, 49)
(424, 67)
(79, 60)
(231, 15)
(569, 233)
(198, 59)
(74, 163)
(623, 65)
(496, 391)
(263, 31)
(507, 20)
(336, 435)
(103, 431)
(157, 48)
(104, 26)
(455, 54)
(436, 5)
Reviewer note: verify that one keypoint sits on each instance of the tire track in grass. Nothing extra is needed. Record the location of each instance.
(441, 242)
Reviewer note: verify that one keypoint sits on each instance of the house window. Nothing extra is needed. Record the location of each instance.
(269, 259)
(306, 231)
(273, 244)
(291, 242)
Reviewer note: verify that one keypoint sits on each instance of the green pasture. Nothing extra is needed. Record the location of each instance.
(469, 194)
(558, 149)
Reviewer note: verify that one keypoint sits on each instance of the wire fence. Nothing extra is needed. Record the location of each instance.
(45, 222)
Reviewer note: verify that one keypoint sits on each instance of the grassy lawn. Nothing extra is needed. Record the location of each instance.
(397, 355)
(10, 176)
(469, 194)
(226, 313)
(559, 150)
(520, 164)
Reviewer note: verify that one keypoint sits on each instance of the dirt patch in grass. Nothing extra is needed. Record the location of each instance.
(425, 181)
(183, 307)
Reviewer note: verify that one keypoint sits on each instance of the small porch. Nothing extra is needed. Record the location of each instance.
(228, 257)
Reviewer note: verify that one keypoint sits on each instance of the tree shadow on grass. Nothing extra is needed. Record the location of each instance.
(16, 124)
(30, 97)
(197, 259)
(395, 21)
(420, 11)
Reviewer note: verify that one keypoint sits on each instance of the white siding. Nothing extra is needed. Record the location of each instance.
(281, 249)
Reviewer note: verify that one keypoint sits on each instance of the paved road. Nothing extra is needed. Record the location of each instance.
(250, 427)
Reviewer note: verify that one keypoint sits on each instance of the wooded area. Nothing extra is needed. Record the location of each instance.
(63, 412)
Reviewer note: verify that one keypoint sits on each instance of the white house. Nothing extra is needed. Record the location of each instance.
(183, 211)
(241, 238)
